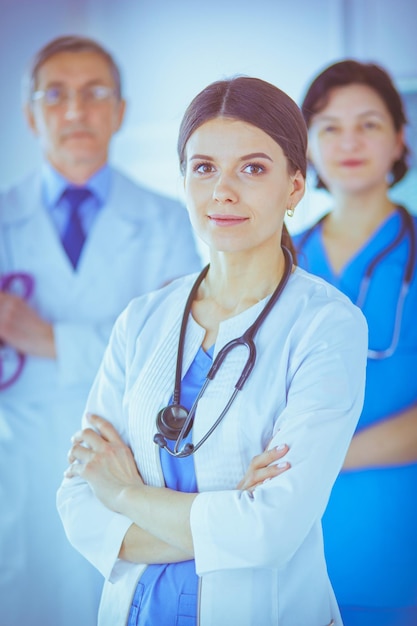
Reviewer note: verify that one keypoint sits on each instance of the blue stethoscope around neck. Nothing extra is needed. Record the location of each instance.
(174, 422)
(407, 229)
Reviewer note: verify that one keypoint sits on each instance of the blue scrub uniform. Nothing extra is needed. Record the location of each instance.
(370, 524)
(167, 594)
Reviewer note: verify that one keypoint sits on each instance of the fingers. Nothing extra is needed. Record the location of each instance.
(103, 427)
(80, 453)
(101, 431)
(91, 444)
(269, 456)
(85, 443)
(264, 467)
(75, 469)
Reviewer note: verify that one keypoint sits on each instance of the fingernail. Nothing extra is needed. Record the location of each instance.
(281, 465)
(281, 447)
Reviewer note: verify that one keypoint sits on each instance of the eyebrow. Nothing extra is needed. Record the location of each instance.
(321, 117)
(56, 82)
(246, 157)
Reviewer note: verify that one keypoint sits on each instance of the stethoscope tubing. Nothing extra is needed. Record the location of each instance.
(407, 228)
(7, 282)
(247, 340)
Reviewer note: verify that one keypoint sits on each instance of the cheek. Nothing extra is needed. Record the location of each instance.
(196, 194)
(191, 201)
(48, 128)
(393, 151)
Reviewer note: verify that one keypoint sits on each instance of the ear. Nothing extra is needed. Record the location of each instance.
(30, 118)
(400, 143)
(119, 114)
(298, 184)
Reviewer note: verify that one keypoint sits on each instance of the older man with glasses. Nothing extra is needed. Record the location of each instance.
(87, 240)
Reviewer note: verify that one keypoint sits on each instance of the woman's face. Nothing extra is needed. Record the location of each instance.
(352, 141)
(238, 186)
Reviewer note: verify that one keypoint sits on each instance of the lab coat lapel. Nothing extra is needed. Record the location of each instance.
(36, 244)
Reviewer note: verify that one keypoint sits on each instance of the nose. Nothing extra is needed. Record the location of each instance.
(74, 106)
(224, 190)
(350, 139)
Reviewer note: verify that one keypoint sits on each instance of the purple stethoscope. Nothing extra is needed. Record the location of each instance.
(12, 361)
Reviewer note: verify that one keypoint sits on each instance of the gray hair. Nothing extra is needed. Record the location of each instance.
(67, 43)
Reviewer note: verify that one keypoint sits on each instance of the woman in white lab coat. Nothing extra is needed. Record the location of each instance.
(181, 531)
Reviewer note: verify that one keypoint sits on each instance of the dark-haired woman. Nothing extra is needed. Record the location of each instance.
(365, 246)
(167, 513)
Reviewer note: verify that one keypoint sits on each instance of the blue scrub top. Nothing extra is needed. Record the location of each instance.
(167, 594)
(370, 525)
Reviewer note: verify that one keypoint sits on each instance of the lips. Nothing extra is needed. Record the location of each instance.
(76, 133)
(352, 163)
(227, 220)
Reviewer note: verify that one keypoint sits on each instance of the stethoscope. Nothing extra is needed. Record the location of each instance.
(174, 422)
(407, 229)
(12, 361)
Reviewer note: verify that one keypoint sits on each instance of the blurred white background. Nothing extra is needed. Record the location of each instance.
(168, 50)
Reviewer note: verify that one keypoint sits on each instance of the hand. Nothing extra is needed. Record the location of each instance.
(101, 458)
(23, 329)
(263, 467)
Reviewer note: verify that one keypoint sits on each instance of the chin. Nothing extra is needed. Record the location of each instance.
(80, 157)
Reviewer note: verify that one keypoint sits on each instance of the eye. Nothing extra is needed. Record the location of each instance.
(97, 93)
(254, 169)
(203, 168)
(329, 129)
(370, 125)
(55, 95)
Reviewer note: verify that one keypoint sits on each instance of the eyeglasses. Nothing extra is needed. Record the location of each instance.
(61, 96)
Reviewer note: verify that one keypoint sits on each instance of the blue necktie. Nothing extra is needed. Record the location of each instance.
(74, 237)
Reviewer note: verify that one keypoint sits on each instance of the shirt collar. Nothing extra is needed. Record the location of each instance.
(54, 184)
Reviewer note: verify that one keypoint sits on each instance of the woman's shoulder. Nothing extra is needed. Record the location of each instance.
(166, 302)
(322, 313)
(163, 300)
(317, 293)
(316, 287)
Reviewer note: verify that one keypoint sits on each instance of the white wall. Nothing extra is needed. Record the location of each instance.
(170, 49)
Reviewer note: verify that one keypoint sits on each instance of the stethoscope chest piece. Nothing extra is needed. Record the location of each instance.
(170, 421)
(174, 422)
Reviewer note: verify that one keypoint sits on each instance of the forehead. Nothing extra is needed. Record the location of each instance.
(230, 136)
(75, 68)
(352, 100)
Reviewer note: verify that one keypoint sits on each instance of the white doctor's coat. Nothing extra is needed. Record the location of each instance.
(139, 241)
(260, 558)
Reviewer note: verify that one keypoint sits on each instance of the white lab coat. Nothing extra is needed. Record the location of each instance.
(139, 241)
(260, 558)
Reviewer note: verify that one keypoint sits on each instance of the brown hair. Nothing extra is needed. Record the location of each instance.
(255, 102)
(349, 72)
